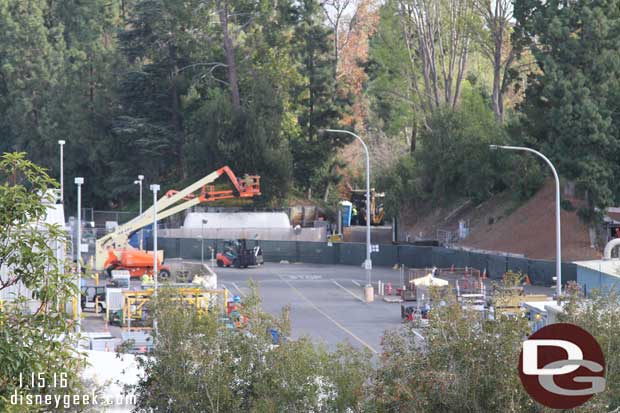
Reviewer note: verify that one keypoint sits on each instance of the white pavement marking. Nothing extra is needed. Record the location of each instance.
(238, 289)
(420, 336)
(356, 283)
(350, 292)
(343, 328)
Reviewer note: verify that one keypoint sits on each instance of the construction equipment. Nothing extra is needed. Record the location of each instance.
(513, 304)
(237, 254)
(134, 261)
(114, 247)
(136, 311)
(377, 212)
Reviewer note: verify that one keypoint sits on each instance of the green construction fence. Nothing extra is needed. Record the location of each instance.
(541, 272)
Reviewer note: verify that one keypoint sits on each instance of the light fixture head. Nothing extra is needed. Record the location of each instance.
(141, 177)
(61, 142)
(493, 147)
(79, 180)
(154, 187)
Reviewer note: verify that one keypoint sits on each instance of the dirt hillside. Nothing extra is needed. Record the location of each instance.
(496, 225)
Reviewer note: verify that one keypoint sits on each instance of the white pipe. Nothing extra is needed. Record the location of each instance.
(609, 247)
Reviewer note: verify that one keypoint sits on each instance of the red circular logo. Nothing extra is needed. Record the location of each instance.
(562, 366)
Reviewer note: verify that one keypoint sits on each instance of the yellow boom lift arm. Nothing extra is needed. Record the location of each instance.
(167, 205)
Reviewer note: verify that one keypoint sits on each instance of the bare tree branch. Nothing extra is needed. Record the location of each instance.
(437, 34)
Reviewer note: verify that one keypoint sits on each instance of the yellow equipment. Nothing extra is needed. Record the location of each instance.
(377, 213)
(246, 187)
(135, 303)
(512, 303)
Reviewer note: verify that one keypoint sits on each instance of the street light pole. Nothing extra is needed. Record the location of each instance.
(79, 181)
(139, 182)
(558, 235)
(155, 189)
(368, 263)
(202, 242)
(62, 172)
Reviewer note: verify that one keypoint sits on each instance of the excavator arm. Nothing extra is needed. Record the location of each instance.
(246, 187)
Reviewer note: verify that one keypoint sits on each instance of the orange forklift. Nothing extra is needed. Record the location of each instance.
(237, 254)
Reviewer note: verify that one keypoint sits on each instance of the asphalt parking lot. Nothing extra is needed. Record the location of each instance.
(326, 302)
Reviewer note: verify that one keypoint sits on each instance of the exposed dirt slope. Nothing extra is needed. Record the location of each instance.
(528, 230)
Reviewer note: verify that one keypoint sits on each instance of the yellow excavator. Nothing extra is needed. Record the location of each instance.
(377, 213)
(113, 251)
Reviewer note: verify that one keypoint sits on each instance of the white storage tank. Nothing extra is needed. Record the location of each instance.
(237, 220)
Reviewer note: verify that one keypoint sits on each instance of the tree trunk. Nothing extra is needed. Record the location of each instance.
(336, 54)
(229, 50)
(91, 83)
(176, 114)
(414, 137)
(497, 84)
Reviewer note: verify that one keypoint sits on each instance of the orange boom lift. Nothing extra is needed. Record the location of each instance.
(113, 251)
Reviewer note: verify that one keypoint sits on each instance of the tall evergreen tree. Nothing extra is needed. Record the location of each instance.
(157, 46)
(571, 108)
(30, 72)
(315, 104)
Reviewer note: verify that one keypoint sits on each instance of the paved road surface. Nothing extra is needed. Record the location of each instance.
(326, 301)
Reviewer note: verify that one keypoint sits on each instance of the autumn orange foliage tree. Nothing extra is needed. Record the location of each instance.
(351, 36)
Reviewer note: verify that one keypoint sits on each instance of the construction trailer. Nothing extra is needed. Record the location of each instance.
(113, 250)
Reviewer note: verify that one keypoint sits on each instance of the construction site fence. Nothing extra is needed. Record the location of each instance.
(540, 272)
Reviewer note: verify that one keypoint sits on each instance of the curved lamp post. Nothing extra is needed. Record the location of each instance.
(558, 237)
(368, 262)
